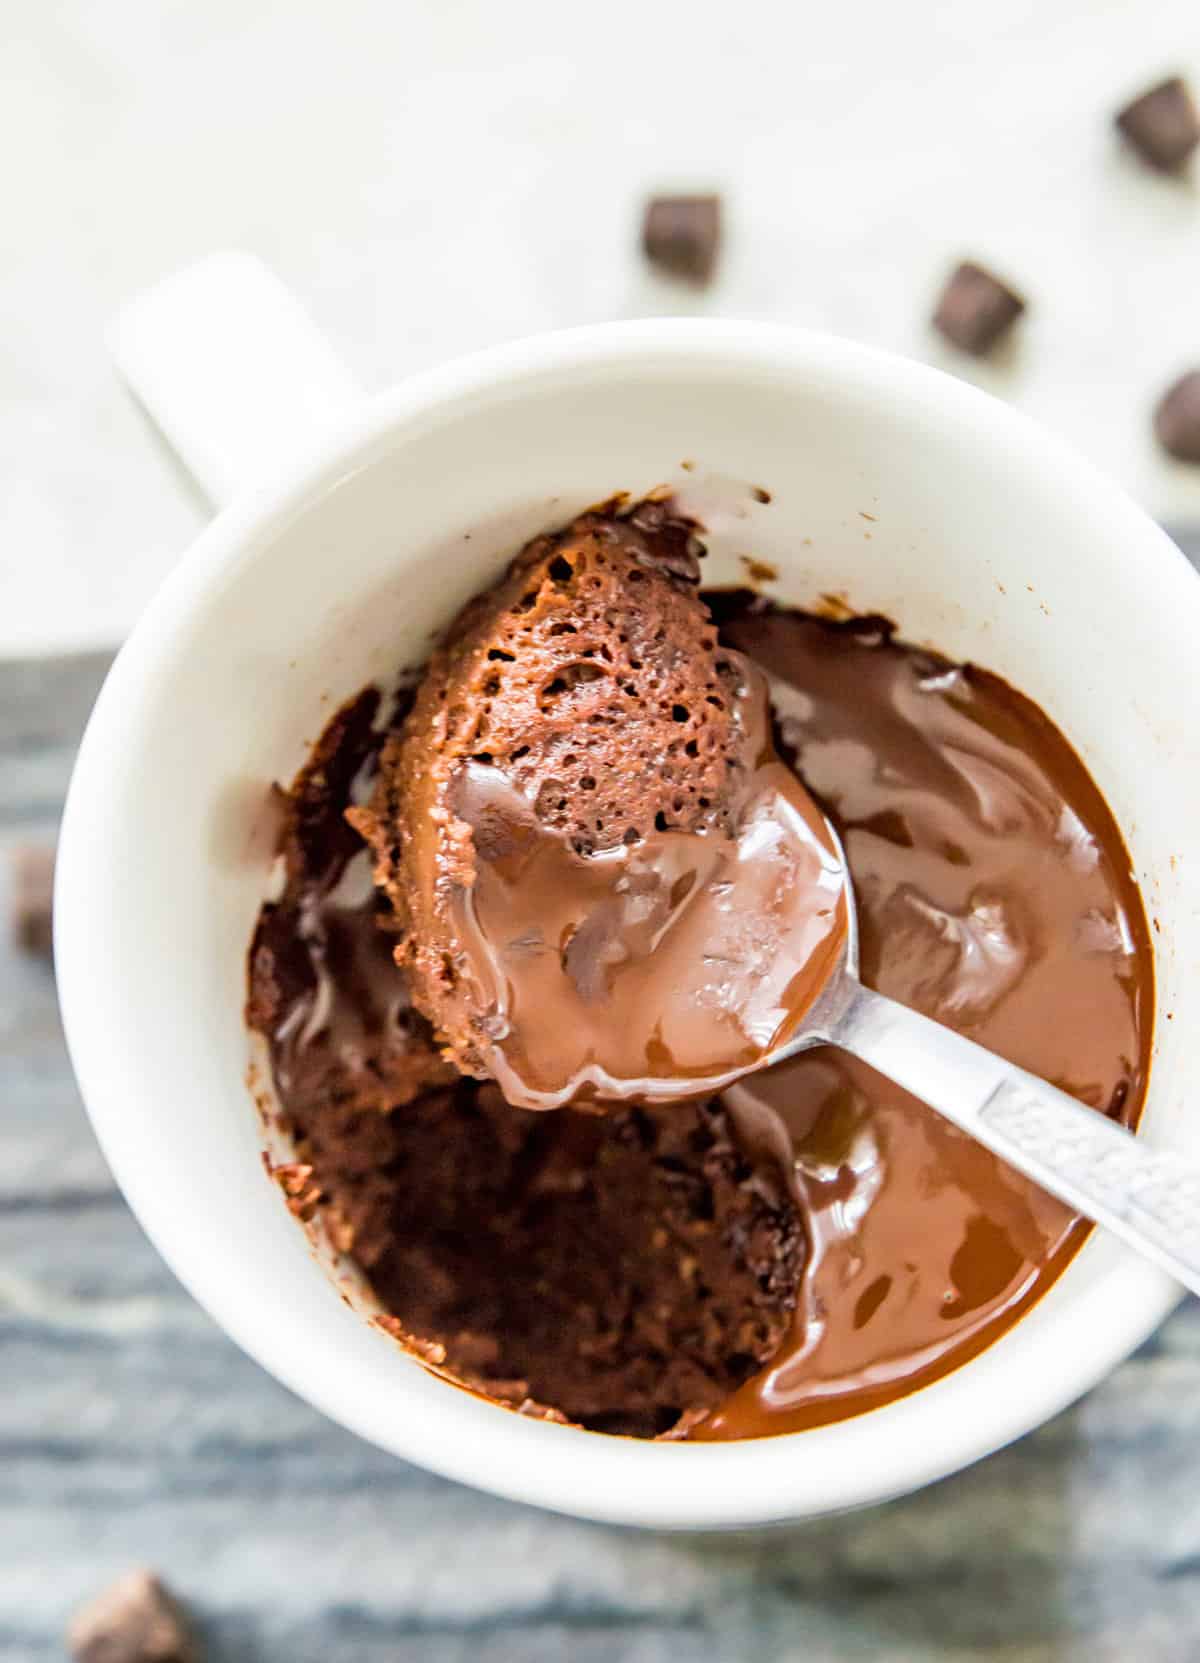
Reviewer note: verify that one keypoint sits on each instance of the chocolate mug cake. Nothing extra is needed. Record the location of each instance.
(806, 1244)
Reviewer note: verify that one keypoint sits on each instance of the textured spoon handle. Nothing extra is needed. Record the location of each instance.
(1151, 1199)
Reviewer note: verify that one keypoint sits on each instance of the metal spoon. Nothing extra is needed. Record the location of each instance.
(1150, 1199)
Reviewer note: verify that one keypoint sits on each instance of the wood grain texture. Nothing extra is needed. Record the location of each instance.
(132, 1430)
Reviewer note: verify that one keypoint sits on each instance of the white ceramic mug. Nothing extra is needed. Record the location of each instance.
(986, 538)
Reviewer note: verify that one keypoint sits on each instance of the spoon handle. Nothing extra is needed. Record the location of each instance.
(1151, 1199)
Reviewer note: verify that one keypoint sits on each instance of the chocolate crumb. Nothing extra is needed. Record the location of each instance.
(1177, 418)
(1163, 125)
(136, 1620)
(293, 1177)
(682, 235)
(976, 309)
(339, 1229)
(302, 1195)
(758, 571)
(32, 899)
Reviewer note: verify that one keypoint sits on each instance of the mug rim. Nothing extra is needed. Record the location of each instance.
(569, 1470)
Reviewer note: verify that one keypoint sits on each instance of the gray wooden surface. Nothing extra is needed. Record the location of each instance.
(132, 1430)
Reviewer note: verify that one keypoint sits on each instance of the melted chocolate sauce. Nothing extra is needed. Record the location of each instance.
(995, 894)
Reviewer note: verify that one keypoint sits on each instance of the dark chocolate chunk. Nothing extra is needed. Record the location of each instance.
(681, 234)
(1177, 418)
(976, 309)
(134, 1621)
(32, 898)
(1163, 125)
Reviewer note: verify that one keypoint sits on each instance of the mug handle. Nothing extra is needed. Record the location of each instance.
(229, 366)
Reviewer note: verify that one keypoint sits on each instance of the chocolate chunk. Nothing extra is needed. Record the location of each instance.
(134, 1621)
(976, 309)
(1163, 125)
(681, 234)
(32, 898)
(1177, 418)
